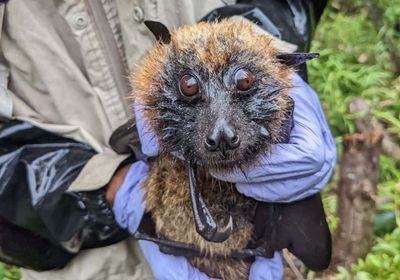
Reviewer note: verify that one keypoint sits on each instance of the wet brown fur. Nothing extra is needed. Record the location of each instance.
(167, 188)
(168, 200)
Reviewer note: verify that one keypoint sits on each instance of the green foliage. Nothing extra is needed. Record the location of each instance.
(354, 62)
(329, 200)
(382, 263)
(9, 273)
(356, 40)
(388, 213)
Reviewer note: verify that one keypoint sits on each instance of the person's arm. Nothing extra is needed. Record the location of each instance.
(36, 170)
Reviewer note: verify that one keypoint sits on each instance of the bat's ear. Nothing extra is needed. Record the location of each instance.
(294, 59)
(159, 30)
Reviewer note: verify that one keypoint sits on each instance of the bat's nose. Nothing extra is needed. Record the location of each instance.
(222, 137)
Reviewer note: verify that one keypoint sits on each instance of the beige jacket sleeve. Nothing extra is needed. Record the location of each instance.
(5, 98)
(48, 88)
(68, 64)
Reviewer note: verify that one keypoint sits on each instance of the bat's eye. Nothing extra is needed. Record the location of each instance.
(243, 79)
(188, 85)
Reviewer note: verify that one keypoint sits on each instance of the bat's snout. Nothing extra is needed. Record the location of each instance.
(222, 137)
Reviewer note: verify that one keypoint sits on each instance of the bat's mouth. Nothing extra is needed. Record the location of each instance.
(205, 223)
(225, 160)
(231, 159)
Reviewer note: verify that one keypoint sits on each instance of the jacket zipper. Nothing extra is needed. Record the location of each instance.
(111, 51)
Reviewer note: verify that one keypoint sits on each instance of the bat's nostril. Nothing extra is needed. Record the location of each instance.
(234, 142)
(211, 144)
(223, 139)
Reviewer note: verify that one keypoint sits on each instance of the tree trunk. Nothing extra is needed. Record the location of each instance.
(359, 174)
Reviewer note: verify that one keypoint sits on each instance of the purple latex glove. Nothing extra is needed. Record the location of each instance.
(128, 204)
(150, 144)
(267, 269)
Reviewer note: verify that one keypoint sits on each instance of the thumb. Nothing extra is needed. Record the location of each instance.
(267, 269)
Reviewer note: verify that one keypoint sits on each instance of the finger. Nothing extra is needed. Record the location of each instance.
(267, 269)
(150, 145)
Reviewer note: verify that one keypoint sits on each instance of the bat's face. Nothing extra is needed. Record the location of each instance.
(215, 93)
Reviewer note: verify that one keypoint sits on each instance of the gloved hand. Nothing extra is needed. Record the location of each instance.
(267, 269)
(128, 205)
(129, 209)
(298, 169)
(291, 171)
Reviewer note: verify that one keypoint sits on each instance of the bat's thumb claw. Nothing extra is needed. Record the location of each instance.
(221, 236)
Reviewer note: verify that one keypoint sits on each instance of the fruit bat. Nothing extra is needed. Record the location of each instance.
(216, 95)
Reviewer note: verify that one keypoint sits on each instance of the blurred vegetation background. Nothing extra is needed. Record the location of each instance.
(359, 43)
(9, 273)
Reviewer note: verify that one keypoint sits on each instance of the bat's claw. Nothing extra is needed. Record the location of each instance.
(221, 236)
(205, 223)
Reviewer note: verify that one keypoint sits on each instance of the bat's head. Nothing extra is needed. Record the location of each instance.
(215, 92)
